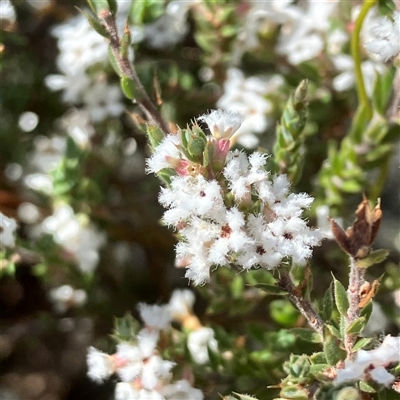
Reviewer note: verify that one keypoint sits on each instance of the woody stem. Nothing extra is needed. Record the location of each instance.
(302, 304)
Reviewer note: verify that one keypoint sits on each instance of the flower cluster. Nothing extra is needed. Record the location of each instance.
(372, 364)
(143, 372)
(241, 215)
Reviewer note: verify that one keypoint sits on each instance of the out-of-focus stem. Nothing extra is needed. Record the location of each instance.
(128, 70)
(356, 53)
(303, 305)
(356, 280)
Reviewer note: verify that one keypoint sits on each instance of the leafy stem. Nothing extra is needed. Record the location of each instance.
(128, 70)
(356, 280)
(356, 54)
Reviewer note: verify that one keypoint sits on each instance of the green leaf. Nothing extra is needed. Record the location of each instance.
(367, 310)
(165, 175)
(332, 348)
(294, 393)
(327, 304)
(318, 358)
(361, 344)
(356, 326)
(342, 303)
(125, 42)
(307, 334)
(113, 62)
(375, 257)
(237, 286)
(365, 387)
(271, 289)
(128, 87)
(95, 23)
(113, 6)
(99, 6)
(283, 312)
(155, 135)
(334, 331)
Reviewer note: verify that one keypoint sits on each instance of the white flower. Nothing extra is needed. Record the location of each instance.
(125, 391)
(181, 390)
(99, 364)
(387, 38)
(155, 316)
(7, 231)
(371, 363)
(222, 124)
(199, 342)
(165, 151)
(181, 303)
(214, 235)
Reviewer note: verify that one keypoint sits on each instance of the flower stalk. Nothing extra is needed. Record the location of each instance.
(356, 54)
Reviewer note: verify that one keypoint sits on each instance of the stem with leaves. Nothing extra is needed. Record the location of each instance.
(128, 70)
(302, 304)
(356, 280)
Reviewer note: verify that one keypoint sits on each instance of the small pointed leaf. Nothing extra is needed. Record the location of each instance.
(361, 344)
(128, 87)
(95, 23)
(332, 349)
(356, 326)
(307, 334)
(342, 303)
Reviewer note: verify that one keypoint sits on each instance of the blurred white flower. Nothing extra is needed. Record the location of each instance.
(247, 96)
(39, 182)
(7, 11)
(386, 33)
(7, 231)
(28, 213)
(79, 44)
(170, 28)
(82, 240)
(100, 366)
(103, 100)
(125, 391)
(304, 39)
(345, 80)
(155, 316)
(77, 125)
(199, 342)
(28, 121)
(65, 297)
(181, 390)
(181, 303)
